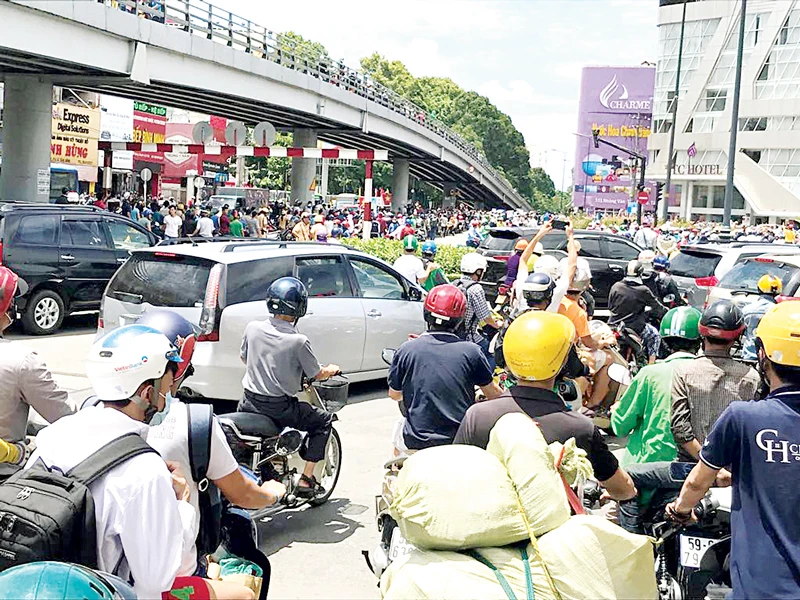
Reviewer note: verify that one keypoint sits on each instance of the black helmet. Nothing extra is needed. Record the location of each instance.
(722, 320)
(287, 296)
(538, 287)
(178, 331)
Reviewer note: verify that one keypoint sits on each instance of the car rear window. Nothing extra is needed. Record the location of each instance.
(694, 264)
(248, 281)
(162, 279)
(503, 241)
(745, 275)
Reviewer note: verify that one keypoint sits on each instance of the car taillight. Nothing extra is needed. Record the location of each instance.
(1, 252)
(767, 260)
(502, 257)
(209, 325)
(709, 281)
(783, 298)
(100, 321)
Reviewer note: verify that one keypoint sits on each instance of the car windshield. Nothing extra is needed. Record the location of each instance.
(745, 275)
(162, 279)
(694, 264)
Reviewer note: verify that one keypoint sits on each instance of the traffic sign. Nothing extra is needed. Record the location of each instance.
(199, 182)
(264, 134)
(235, 133)
(202, 132)
(145, 174)
(643, 197)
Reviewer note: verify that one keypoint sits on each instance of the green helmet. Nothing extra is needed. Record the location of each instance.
(681, 322)
(410, 243)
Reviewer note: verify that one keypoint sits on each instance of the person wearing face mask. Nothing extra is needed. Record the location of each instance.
(143, 516)
(26, 380)
(170, 436)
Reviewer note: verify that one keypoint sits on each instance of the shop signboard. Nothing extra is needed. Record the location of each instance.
(149, 127)
(74, 134)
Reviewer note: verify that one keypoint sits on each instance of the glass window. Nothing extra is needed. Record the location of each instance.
(745, 275)
(376, 282)
(174, 281)
(715, 100)
(83, 234)
(738, 200)
(499, 243)
(619, 250)
(126, 237)
(718, 196)
(590, 246)
(690, 263)
(324, 277)
(37, 230)
(248, 281)
(700, 196)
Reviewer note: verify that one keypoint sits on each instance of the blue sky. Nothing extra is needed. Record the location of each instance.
(524, 55)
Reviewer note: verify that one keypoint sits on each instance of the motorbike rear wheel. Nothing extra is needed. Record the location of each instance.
(332, 466)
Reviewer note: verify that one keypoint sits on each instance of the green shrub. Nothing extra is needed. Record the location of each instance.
(448, 257)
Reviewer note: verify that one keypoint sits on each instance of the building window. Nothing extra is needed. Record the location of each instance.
(738, 200)
(718, 196)
(715, 100)
(755, 155)
(700, 196)
(753, 124)
(689, 126)
(763, 74)
(663, 126)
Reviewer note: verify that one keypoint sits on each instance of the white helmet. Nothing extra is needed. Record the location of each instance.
(547, 264)
(646, 257)
(538, 249)
(583, 274)
(123, 359)
(472, 263)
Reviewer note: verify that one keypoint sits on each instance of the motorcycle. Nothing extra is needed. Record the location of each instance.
(631, 347)
(693, 561)
(271, 454)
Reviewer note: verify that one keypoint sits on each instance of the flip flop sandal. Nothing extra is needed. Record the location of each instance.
(314, 488)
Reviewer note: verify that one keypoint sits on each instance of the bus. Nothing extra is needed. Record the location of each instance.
(61, 176)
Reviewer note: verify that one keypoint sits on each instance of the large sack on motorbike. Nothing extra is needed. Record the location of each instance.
(456, 497)
(590, 557)
(437, 574)
(519, 444)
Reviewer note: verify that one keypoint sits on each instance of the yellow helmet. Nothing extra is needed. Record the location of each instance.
(769, 284)
(537, 344)
(779, 332)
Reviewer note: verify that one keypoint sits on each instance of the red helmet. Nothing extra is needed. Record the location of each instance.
(445, 304)
(10, 287)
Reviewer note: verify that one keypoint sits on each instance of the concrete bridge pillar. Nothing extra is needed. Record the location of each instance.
(399, 184)
(303, 169)
(27, 118)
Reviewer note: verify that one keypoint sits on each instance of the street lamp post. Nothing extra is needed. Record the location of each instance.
(564, 166)
(737, 88)
(663, 211)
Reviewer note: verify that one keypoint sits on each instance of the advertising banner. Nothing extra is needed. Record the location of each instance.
(75, 130)
(116, 119)
(617, 101)
(149, 127)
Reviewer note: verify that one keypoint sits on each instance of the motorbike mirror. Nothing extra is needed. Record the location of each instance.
(289, 442)
(620, 374)
(387, 354)
(414, 294)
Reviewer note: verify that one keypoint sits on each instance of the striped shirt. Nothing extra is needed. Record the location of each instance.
(701, 389)
(477, 307)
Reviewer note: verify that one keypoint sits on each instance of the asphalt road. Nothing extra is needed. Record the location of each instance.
(315, 552)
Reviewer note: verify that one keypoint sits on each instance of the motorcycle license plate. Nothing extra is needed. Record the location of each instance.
(399, 547)
(693, 549)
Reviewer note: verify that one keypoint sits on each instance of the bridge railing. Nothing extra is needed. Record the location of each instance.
(214, 23)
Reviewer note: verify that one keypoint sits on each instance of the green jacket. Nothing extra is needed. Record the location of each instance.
(643, 413)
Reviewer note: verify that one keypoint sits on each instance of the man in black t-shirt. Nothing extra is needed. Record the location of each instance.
(435, 375)
(536, 347)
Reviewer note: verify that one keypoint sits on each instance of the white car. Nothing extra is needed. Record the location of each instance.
(357, 305)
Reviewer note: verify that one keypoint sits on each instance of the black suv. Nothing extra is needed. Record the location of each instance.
(66, 255)
(608, 255)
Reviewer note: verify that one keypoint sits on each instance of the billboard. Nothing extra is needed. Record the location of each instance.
(618, 101)
(149, 127)
(74, 135)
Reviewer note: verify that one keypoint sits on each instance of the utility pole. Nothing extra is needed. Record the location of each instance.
(633, 154)
(737, 87)
(664, 210)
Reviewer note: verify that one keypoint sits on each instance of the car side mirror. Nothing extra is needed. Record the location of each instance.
(414, 294)
(387, 355)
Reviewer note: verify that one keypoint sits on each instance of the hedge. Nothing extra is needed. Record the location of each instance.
(447, 257)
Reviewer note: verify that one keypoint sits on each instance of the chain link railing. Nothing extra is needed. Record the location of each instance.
(201, 18)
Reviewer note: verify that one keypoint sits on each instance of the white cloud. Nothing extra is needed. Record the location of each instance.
(516, 92)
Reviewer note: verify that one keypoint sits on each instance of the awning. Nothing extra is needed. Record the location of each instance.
(766, 195)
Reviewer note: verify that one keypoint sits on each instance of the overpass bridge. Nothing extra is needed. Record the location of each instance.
(192, 55)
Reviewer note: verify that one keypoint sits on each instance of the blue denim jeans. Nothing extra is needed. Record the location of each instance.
(651, 339)
(665, 479)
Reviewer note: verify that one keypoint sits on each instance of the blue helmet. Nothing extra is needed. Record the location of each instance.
(429, 247)
(661, 263)
(50, 580)
(287, 296)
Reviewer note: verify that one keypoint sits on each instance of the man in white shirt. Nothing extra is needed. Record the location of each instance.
(205, 226)
(645, 237)
(409, 265)
(143, 518)
(172, 224)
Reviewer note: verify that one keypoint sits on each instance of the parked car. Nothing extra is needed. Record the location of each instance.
(740, 283)
(698, 268)
(357, 305)
(608, 255)
(66, 254)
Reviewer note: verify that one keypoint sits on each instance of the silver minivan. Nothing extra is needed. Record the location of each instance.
(357, 305)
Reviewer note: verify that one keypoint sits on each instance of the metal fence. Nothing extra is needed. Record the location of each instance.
(201, 18)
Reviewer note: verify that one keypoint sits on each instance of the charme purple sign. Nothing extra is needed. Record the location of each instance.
(618, 102)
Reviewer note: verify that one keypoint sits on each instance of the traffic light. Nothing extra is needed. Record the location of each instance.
(595, 136)
(659, 192)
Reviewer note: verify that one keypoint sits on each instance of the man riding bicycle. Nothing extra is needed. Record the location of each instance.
(277, 358)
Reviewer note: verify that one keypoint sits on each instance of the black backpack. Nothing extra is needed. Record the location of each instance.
(465, 328)
(201, 420)
(48, 515)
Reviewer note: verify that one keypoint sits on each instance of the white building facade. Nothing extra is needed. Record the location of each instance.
(767, 173)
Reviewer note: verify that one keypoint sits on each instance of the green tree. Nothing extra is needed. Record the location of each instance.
(542, 182)
(290, 42)
(271, 172)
